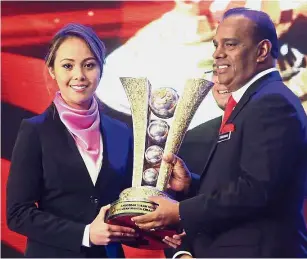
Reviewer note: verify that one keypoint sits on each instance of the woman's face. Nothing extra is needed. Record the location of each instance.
(76, 72)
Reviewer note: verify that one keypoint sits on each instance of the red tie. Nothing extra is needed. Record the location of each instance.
(228, 110)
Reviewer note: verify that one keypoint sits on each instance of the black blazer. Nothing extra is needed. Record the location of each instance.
(197, 144)
(249, 202)
(50, 195)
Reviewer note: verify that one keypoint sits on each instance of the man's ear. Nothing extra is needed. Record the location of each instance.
(264, 50)
(51, 72)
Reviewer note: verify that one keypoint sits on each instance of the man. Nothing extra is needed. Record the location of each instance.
(250, 194)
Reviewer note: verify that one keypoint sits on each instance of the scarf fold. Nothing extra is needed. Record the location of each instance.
(84, 125)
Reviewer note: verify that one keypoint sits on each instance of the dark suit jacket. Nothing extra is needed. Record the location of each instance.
(249, 202)
(48, 170)
(197, 144)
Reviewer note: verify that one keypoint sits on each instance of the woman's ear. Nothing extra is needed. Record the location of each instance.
(264, 50)
(51, 72)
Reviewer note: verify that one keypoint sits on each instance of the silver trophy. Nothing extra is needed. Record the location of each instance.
(152, 138)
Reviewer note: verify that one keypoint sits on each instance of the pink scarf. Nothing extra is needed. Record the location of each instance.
(84, 125)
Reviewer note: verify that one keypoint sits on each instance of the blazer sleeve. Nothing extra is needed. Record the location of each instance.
(274, 140)
(191, 192)
(24, 191)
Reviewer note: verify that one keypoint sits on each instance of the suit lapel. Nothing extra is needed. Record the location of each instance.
(254, 88)
(108, 142)
(66, 146)
(209, 157)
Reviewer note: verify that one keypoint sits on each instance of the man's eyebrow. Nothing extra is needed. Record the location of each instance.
(225, 39)
(230, 39)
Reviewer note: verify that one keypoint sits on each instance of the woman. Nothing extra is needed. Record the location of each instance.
(71, 160)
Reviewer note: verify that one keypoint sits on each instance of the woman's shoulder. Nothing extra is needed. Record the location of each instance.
(114, 122)
(40, 118)
(116, 127)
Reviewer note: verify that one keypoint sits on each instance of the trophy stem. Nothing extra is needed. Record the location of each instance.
(137, 91)
(194, 92)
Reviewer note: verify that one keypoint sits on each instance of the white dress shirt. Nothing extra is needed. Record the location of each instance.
(92, 167)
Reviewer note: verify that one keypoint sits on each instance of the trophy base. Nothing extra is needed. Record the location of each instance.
(134, 202)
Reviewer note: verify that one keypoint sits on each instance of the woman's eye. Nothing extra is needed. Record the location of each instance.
(90, 65)
(67, 66)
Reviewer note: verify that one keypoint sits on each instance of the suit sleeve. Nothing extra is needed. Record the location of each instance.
(24, 191)
(191, 192)
(274, 139)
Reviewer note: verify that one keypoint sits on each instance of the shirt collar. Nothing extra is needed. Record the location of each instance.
(237, 95)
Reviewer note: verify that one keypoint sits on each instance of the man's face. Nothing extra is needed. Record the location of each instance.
(236, 52)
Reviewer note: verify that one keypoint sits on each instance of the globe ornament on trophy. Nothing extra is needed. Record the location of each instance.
(153, 136)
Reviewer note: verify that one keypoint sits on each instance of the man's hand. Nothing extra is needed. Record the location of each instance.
(167, 213)
(180, 178)
(175, 240)
(102, 233)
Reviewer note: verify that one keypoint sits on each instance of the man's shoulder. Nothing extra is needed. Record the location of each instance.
(278, 90)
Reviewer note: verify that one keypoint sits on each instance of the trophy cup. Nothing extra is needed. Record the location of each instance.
(152, 138)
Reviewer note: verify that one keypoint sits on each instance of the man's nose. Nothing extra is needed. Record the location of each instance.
(219, 53)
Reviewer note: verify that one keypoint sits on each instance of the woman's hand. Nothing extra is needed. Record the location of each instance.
(175, 240)
(102, 233)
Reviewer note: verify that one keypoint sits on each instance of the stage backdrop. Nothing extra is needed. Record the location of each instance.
(166, 41)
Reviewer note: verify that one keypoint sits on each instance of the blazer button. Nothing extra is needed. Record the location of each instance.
(94, 200)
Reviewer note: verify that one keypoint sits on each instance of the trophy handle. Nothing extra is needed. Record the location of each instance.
(194, 92)
(138, 91)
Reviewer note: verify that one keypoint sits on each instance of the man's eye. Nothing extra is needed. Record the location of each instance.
(67, 66)
(231, 44)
